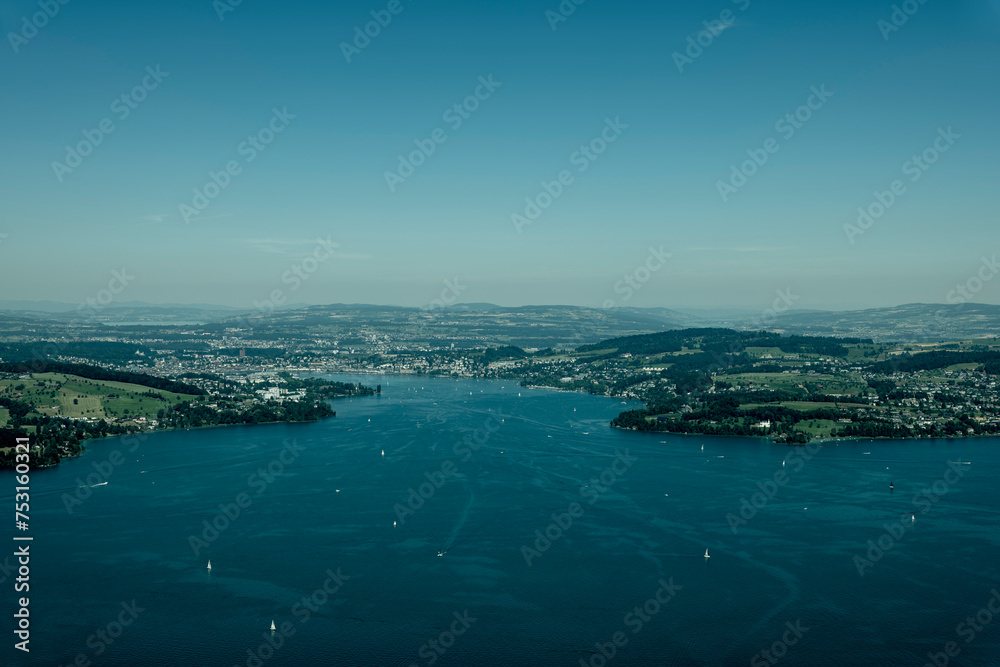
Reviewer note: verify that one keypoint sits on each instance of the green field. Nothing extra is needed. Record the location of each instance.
(818, 428)
(961, 367)
(826, 384)
(758, 352)
(56, 394)
(802, 405)
(4, 415)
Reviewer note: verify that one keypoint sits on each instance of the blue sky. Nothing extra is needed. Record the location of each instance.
(323, 175)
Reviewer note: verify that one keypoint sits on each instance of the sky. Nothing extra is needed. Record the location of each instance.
(631, 153)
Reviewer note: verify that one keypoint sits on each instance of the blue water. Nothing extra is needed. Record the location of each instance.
(658, 510)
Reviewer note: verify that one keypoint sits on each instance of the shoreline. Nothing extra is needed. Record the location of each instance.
(846, 438)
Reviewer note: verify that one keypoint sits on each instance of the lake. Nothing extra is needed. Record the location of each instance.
(562, 542)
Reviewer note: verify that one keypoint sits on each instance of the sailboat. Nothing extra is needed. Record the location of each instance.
(706, 554)
(272, 626)
(209, 565)
(383, 453)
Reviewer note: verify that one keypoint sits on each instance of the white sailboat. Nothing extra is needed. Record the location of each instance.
(383, 453)
(209, 565)
(706, 554)
(272, 626)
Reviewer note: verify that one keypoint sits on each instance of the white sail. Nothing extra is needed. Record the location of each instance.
(272, 626)
(209, 565)
(706, 554)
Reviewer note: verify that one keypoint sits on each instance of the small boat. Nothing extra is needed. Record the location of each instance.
(706, 554)
(891, 486)
(440, 553)
(209, 565)
(272, 626)
(393, 524)
(383, 452)
(913, 517)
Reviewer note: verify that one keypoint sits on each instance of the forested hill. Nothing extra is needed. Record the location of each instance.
(722, 341)
(98, 373)
(926, 361)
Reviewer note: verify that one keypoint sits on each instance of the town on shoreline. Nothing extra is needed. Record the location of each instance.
(710, 381)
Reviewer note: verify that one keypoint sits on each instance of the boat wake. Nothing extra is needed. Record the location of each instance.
(462, 518)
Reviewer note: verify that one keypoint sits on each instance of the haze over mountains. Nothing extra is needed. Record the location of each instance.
(534, 324)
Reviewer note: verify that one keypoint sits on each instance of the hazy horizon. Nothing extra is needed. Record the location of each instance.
(58, 307)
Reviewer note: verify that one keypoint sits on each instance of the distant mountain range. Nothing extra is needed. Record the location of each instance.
(532, 325)
(117, 313)
(913, 322)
